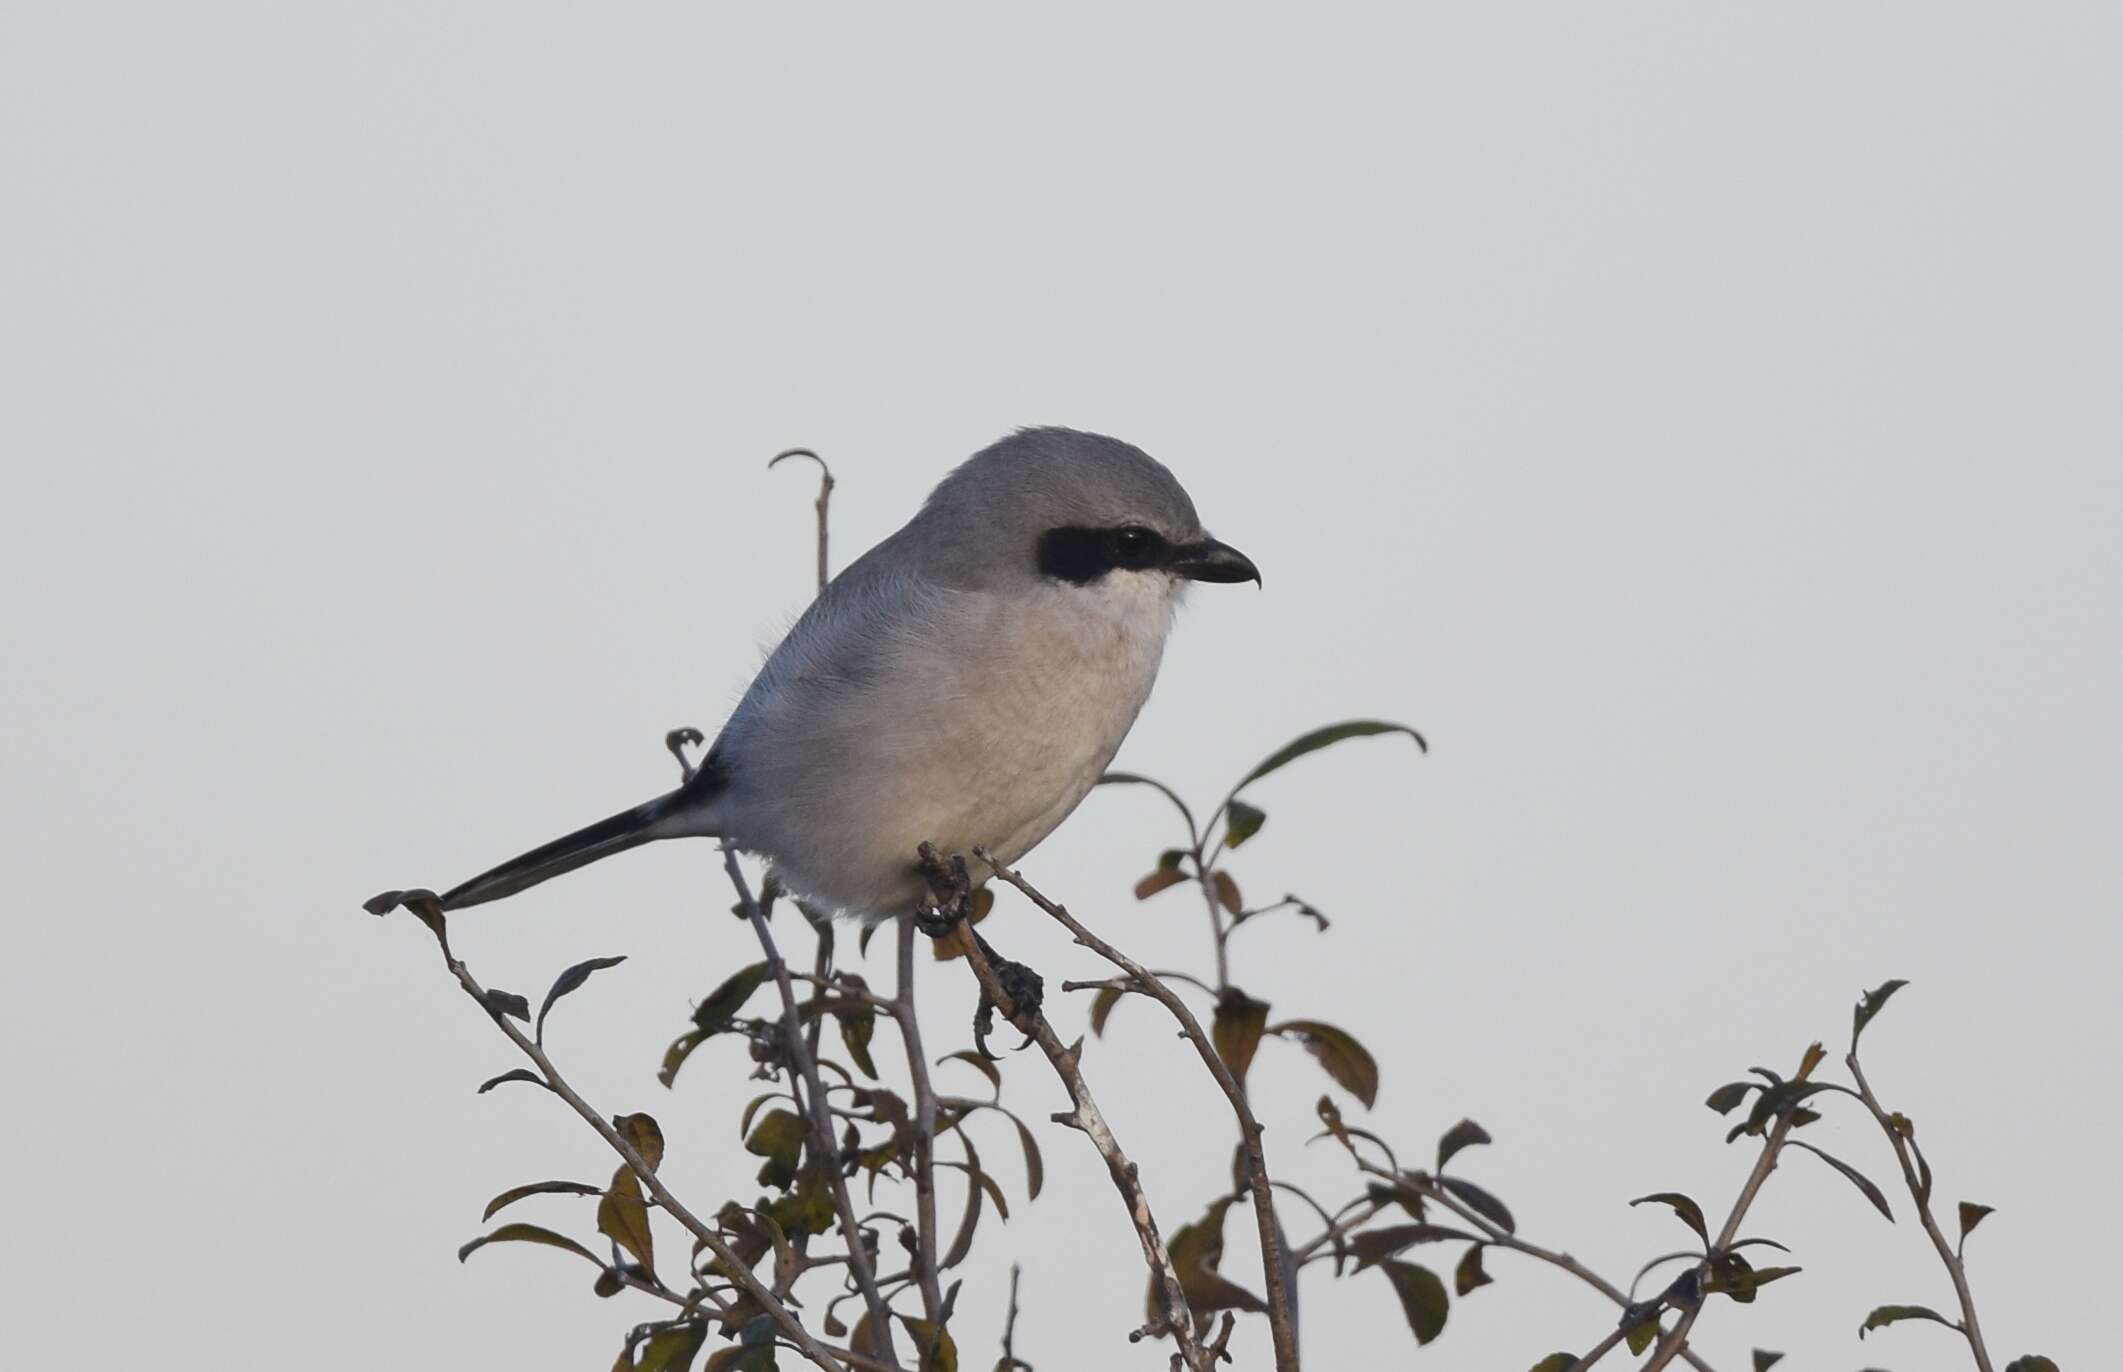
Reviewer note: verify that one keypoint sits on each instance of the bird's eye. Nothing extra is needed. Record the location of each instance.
(1135, 546)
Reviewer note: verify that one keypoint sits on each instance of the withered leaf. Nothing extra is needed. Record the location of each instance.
(1227, 892)
(1346, 1060)
(1162, 879)
(946, 949)
(1102, 1007)
(644, 1134)
(977, 1063)
(623, 1217)
(1764, 1359)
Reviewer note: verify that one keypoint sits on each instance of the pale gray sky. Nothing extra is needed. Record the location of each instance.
(1702, 419)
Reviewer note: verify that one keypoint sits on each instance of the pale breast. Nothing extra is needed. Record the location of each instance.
(991, 742)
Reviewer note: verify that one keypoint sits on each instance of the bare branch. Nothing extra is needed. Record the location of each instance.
(1670, 1346)
(826, 1152)
(1178, 1319)
(1274, 1273)
(791, 1328)
(1920, 1193)
(825, 496)
(925, 1269)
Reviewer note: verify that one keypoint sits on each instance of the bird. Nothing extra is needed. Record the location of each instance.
(965, 682)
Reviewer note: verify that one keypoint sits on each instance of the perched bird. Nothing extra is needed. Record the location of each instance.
(965, 682)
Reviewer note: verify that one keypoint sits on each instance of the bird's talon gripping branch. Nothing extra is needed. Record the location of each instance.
(950, 892)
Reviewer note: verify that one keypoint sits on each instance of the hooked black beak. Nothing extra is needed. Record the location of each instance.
(1210, 560)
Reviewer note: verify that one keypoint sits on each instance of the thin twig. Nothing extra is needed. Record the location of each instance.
(1178, 1319)
(1273, 1271)
(1010, 1361)
(1918, 1192)
(825, 496)
(826, 1153)
(925, 1269)
(791, 1328)
(1670, 1345)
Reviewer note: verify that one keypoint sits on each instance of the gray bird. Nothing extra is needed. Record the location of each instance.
(965, 682)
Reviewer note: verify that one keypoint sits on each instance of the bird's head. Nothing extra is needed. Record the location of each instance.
(1079, 509)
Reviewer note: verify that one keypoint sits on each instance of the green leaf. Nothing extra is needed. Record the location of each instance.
(673, 1349)
(1133, 779)
(526, 1233)
(1971, 1216)
(1236, 1030)
(1643, 1334)
(513, 1074)
(1555, 1362)
(568, 981)
(1345, 1059)
(1320, 738)
(1035, 1170)
(1857, 1178)
(856, 1029)
(1242, 821)
(1481, 1202)
(499, 1002)
(1465, 1134)
(674, 1057)
(713, 1015)
(1764, 1359)
(1691, 1214)
(623, 1217)
(1374, 1246)
(1196, 1251)
(778, 1137)
(1469, 1273)
(1893, 1314)
(977, 1063)
(1870, 1006)
(1423, 1299)
(2031, 1363)
(1727, 1097)
(538, 1188)
(933, 1343)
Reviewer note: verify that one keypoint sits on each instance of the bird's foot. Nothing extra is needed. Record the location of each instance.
(1024, 987)
(950, 892)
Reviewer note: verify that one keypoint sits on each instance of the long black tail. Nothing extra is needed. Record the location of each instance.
(663, 817)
